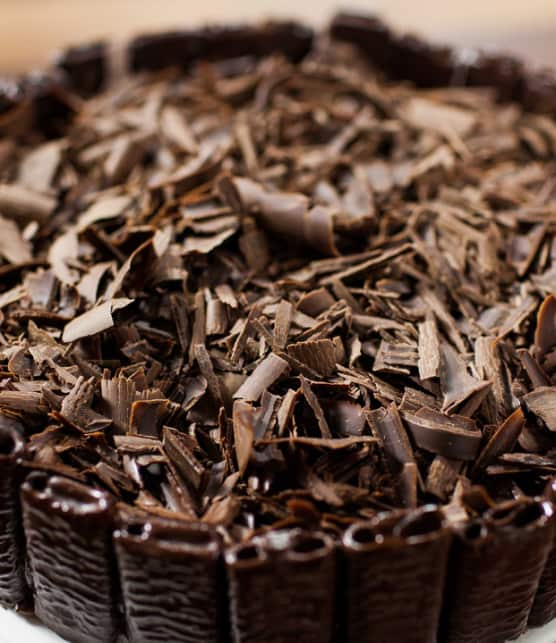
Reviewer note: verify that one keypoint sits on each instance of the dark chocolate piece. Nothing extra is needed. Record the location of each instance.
(86, 66)
(501, 71)
(13, 586)
(11, 95)
(282, 588)
(368, 32)
(506, 549)
(53, 105)
(423, 63)
(157, 51)
(172, 581)
(68, 532)
(544, 605)
(182, 48)
(395, 568)
(538, 91)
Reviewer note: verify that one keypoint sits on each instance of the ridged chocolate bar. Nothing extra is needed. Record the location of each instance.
(172, 581)
(181, 48)
(13, 587)
(495, 567)
(544, 606)
(85, 66)
(409, 57)
(282, 589)
(395, 569)
(68, 529)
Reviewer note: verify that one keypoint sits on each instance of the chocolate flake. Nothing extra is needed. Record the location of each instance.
(264, 375)
(456, 383)
(429, 349)
(243, 418)
(21, 203)
(319, 355)
(545, 332)
(452, 436)
(542, 402)
(94, 320)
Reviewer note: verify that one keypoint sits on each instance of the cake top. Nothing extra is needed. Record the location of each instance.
(274, 288)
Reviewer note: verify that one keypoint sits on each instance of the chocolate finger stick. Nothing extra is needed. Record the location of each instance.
(13, 588)
(68, 530)
(172, 581)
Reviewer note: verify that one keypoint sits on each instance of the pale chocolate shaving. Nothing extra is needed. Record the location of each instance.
(23, 204)
(289, 214)
(282, 325)
(429, 349)
(545, 332)
(264, 375)
(94, 320)
(38, 169)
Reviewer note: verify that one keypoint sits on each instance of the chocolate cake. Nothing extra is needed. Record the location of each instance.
(278, 339)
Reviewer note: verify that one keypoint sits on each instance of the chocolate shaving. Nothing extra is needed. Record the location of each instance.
(94, 320)
(319, 355)
(21, 203)
(456, 383)
(429, 349)
(243, 417)
(264, 375)
(545, 332)
(453, 437)
(289, 214)
(542, 402)
(313, 402)
(387, 426)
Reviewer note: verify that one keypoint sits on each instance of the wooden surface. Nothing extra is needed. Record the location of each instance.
(30, 30)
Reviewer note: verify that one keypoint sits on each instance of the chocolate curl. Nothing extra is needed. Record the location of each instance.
(68, 530)
(395, 570)
(544, 606)
(495, 567)
(172, 581)
(285, 213)
(13, 588)
(282, 588)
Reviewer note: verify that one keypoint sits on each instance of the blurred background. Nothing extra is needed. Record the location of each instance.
(30, 30)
